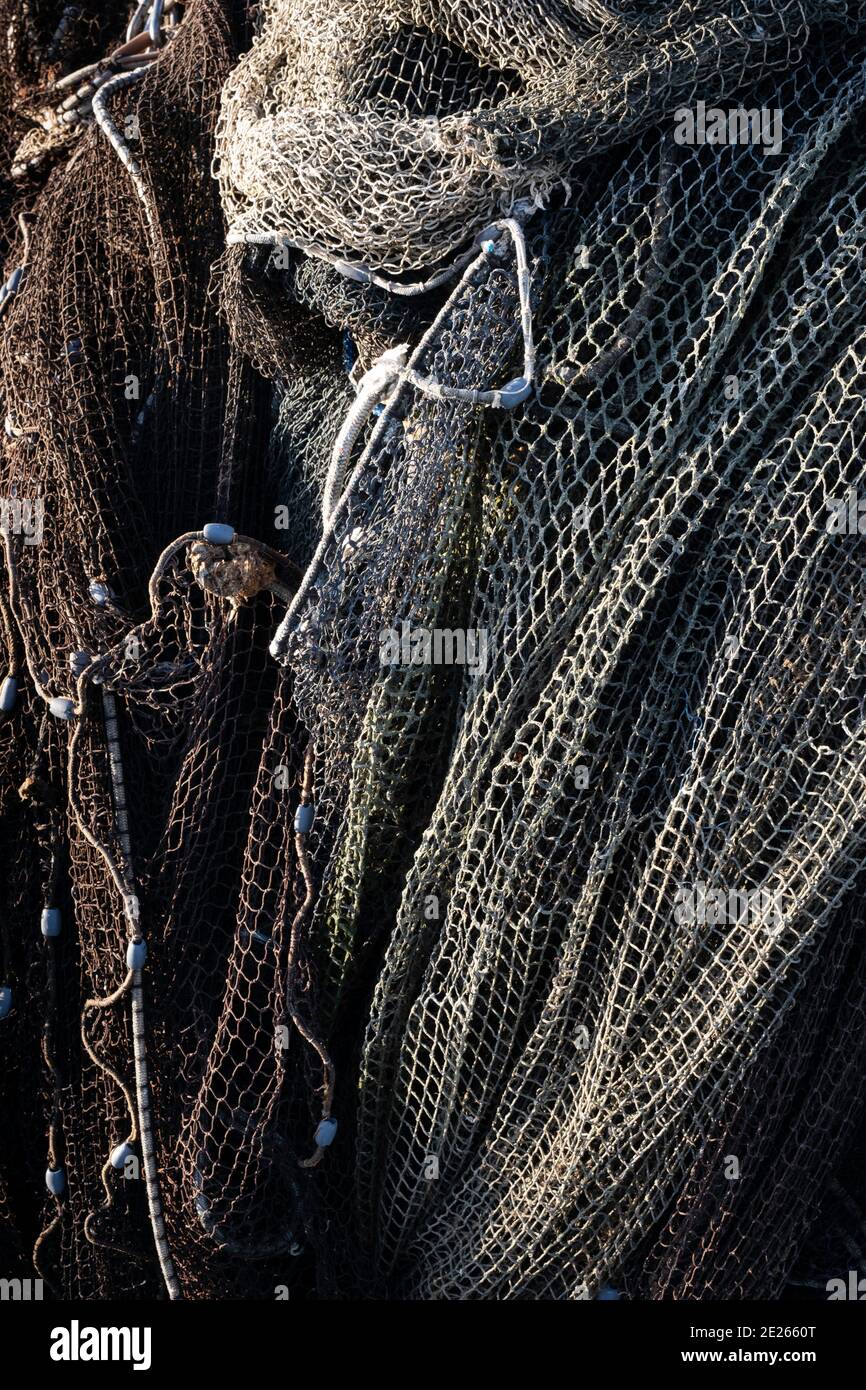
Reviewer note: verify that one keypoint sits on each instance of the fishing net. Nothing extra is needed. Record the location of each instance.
(459, 864)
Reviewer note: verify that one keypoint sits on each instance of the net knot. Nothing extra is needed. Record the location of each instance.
(237, 571)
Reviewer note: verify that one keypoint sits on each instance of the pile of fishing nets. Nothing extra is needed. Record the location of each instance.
(433, 791)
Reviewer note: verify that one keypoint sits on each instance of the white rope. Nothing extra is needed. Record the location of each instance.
(147, 18)
(139, 1044)
(503, 398)
(357, 270)
(517, 391)
(136, 24)
(110, 130)
(373, 388)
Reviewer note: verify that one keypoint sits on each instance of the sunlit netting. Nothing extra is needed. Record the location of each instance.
(612, 446)
(385, 133)
(558, 1072)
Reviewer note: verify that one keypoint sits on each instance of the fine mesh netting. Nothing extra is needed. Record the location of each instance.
(437, 758)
